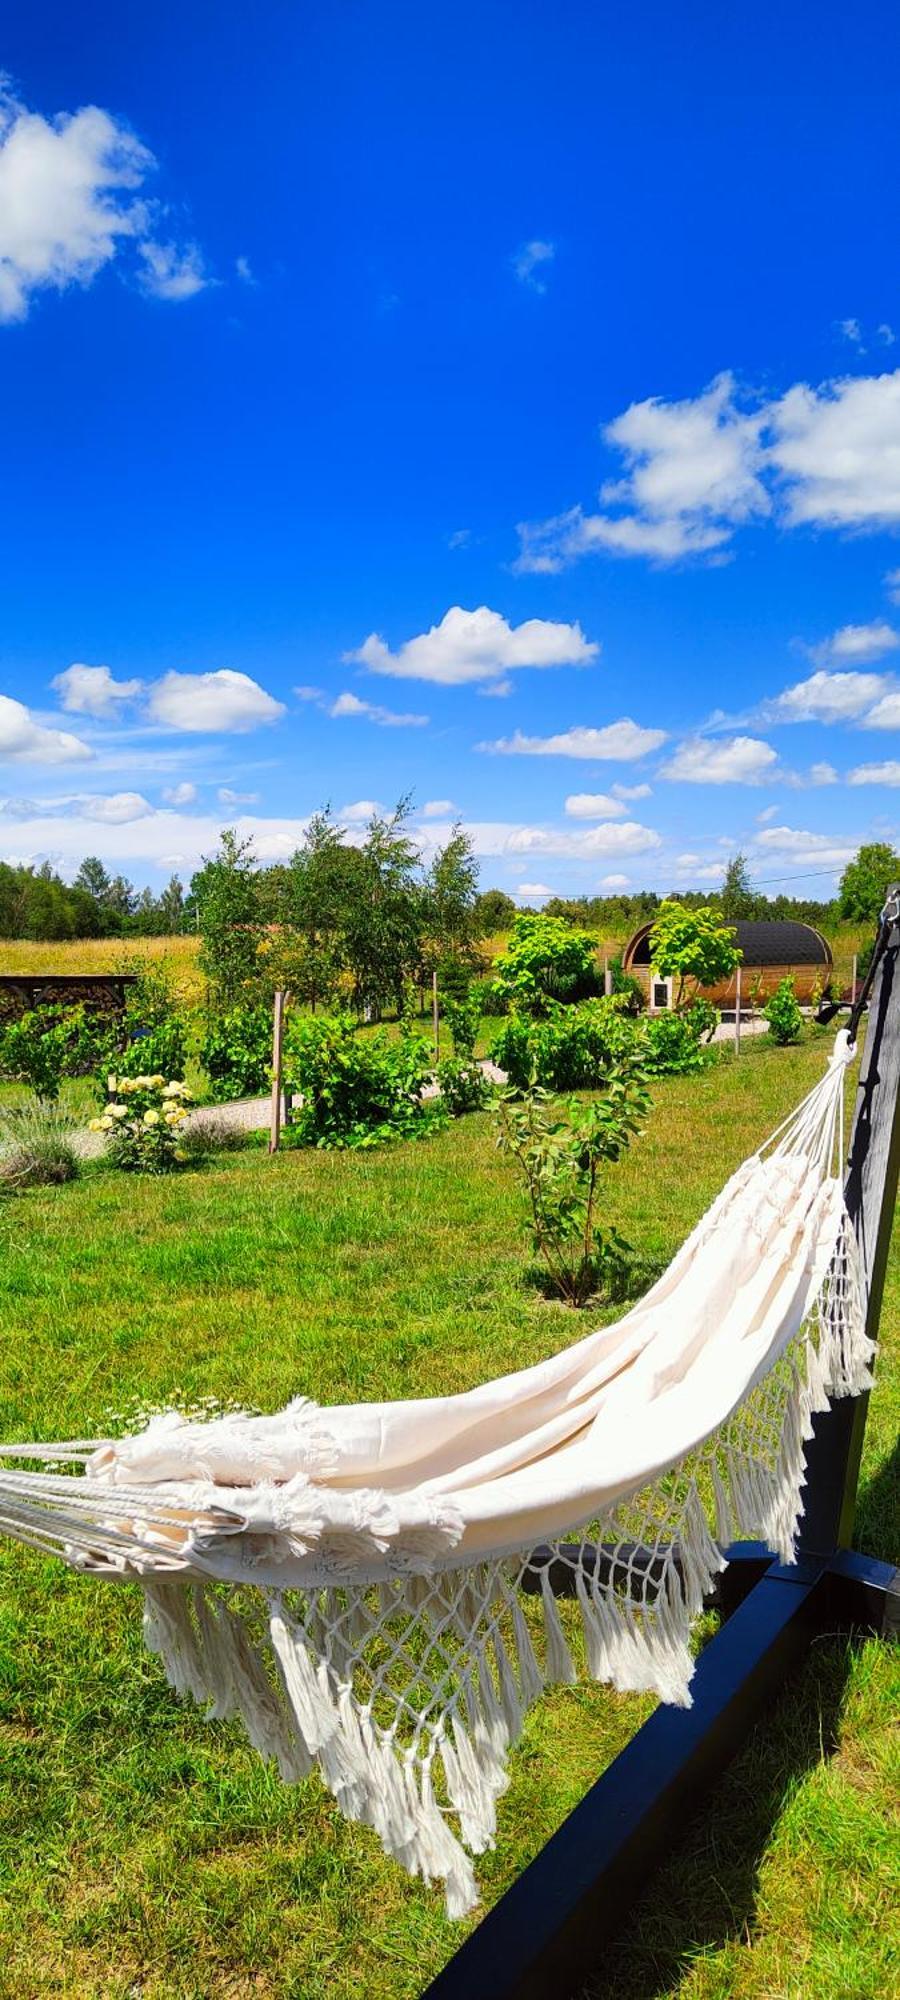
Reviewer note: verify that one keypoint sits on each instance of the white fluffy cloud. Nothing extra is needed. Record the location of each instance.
(70, 197)
(533, 889)
(493, 838)
(698, 469)
(892, 585)
(620, 791)
(172, 272)
(227, 797)
(858, 643)
(386, 718)
(620, 742)
(693, 472)
(736, 760)
(217, 702)
(593, 805)
(25, 741)
(885, 714)
(115, 808)
(836, 452)
(530, 260)
(102, 809)
(875, 774)
(614, 882)
(814, 850)
(437, 808)
(93, 691)
(180, 795)
(480, 645)
(825, 697)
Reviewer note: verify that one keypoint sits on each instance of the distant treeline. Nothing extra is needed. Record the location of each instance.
(611, 916)
(37, 903)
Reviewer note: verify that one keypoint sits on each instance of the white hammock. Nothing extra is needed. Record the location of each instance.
(386, 1638)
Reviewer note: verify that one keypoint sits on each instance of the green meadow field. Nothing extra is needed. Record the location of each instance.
(146, 1851)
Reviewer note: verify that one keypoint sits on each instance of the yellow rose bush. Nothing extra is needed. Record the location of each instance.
(141, 1122)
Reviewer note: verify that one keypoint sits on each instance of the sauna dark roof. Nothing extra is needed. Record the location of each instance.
(767, 943)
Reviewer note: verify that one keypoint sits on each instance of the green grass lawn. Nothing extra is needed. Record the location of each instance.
(146, 1851)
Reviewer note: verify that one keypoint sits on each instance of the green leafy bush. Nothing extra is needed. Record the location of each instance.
(357, 1090)
(463, 1018)
(627, 987)
(464, 1087)
(36, 1145)
(33, 1050)
(141, 1122)
(693, 947)
(546, 960)
(783, 1014)
(674, 1044)
(560, 1159)
(160, 1049)
(571, 1048)
(237, 1051)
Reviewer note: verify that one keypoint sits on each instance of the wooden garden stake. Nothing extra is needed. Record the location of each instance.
(435, 1015)
(737, 1011)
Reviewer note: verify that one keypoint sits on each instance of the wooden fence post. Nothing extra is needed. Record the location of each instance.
(737, 1011)
(853, 980)
(607, 978)
(435, 1015)
(277, 1040)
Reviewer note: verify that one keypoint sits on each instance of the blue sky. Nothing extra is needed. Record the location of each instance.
(496, 403)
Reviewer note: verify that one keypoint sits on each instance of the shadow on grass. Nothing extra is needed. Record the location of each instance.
(705, 1897)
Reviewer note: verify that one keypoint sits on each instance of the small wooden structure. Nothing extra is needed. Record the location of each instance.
(103, 992)
(770, 952)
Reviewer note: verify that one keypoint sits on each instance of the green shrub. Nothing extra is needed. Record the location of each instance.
(141, 1122)
(357, 1090)
(546, 960)
(463, 1018)
(571, 1048)
(560, 1160)
(33, 1051)
(783, 1014)
(464, 1087)
(160, 1050)
(237, 1051)
(674, 1045)
(493, 999)
(36, 1145)
(627, 987)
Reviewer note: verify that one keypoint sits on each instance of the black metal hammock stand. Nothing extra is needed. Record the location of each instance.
(541, 1940)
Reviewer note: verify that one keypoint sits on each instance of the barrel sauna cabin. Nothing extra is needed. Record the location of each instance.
(770, 952)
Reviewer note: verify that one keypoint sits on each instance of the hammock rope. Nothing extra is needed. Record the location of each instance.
(368, 1588)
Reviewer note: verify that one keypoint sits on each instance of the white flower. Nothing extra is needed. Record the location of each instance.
(117, 1111)
(173, 1090)
(151, 1117)
(106, 1125)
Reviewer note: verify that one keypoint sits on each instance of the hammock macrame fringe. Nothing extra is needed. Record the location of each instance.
(295, 1695)
(353, 1630)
